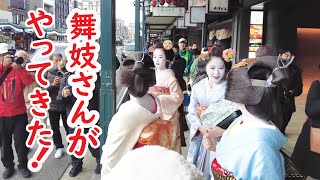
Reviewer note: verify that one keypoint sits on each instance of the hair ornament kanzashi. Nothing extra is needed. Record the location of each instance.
(240, 64)
(141, 60)
(167, 44)
(204, 56)
(229, 55)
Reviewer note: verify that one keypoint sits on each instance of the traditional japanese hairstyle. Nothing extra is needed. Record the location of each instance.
(168, 52)
(251, 85)
(136, 73)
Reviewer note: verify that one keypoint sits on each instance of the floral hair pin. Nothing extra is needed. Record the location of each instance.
(229, 55)
(167, 44)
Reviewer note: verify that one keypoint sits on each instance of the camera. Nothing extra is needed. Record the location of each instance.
(17, 60)
(59, 74)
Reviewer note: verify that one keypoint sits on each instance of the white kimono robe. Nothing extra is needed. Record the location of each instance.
(205, 96)
(124, 131)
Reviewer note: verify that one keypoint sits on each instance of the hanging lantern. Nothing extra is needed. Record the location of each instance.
(162, 2)
(168, 1)
(175, 2)
(154, 3)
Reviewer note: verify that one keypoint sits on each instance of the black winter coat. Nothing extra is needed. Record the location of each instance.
(178, 68)
(295, 85)
(307, 161)
(53, 90)
(69, 101)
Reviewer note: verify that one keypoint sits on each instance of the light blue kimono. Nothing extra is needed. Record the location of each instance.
(252, 153)
(202, 94)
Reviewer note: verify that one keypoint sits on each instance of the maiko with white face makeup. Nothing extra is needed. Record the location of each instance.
(216, 70)
(159, 59)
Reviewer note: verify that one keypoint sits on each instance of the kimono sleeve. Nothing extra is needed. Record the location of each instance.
(171, 103)
(193, 69)
(192, 116)
(121, 138)
(266, 163)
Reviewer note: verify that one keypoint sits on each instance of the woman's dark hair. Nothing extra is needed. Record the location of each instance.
(284, 50)
(258, 100)
(169, 53)
(201, 74)
(217, 51)
(137, 74)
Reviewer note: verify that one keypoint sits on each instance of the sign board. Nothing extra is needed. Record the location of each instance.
(168, 11)
(198, 2)
(180, 23)
(256, 17)
(6, 16)
(197, 14)
(218, 6)
(187, 19)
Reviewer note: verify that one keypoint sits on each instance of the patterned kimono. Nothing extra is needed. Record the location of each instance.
(250, 150)
(170, 95)
(202, 97)
(124, 132)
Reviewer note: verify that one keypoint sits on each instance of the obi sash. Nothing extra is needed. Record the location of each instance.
(200, 110)
(156, 133)
(158, 90)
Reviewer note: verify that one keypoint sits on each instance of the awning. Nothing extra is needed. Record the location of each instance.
(159, 24)
(11, 27)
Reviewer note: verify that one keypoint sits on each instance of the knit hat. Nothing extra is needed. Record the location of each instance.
(4, 48)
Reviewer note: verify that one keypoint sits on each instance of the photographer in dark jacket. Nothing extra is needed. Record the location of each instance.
(56, 109)
(178, 65)
(65, 96)
(291, 90)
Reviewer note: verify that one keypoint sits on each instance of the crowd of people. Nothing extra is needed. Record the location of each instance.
(237, 114)
(15, 85)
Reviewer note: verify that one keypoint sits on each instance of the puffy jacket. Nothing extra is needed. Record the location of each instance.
(70, 100)
(53, 91)
(12, 101)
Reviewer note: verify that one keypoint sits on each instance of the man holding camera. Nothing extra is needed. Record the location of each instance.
(56, 109)
(28, 89)
(13, 117)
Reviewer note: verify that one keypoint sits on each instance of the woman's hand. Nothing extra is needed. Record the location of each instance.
(209, 143)
(215, 131)
(209, 137)
(203, 129)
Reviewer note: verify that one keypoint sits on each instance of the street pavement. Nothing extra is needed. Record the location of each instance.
(51, 169)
